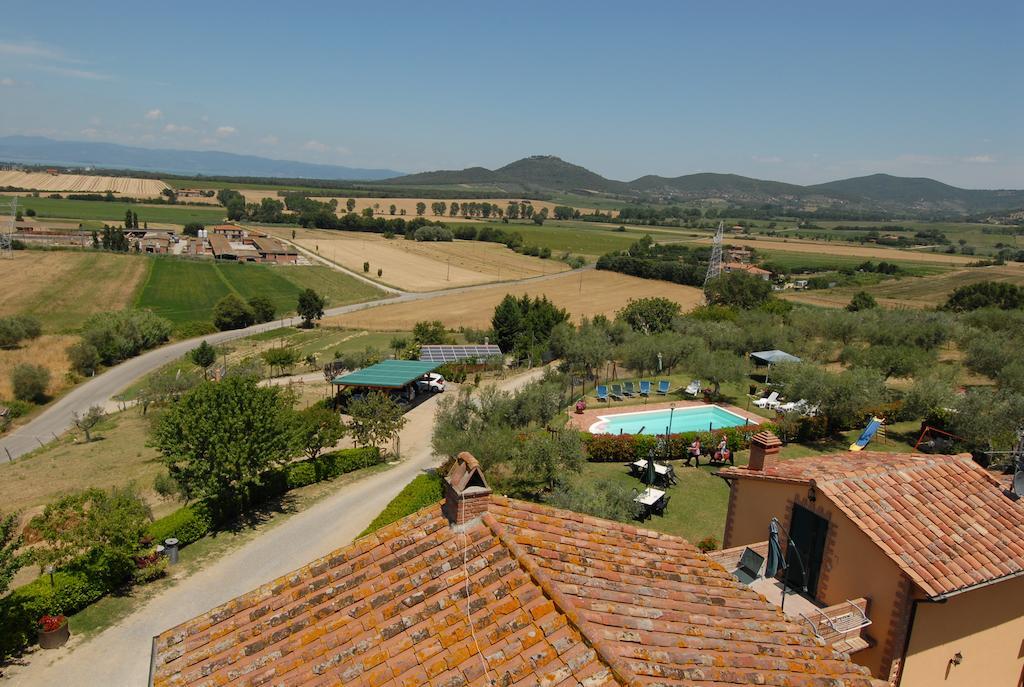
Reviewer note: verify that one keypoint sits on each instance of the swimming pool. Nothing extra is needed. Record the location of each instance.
(693, 419)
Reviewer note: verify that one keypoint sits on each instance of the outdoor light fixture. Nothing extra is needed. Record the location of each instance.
(957, 659)
(812, 494)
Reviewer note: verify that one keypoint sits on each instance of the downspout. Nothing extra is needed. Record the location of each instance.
(910, 629)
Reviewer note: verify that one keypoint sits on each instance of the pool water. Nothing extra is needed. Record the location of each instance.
(695, 419)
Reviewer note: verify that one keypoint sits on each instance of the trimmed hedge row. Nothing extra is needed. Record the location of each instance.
(85, 582)
(426, 489)
(624, 448)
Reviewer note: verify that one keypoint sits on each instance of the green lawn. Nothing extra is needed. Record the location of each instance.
(589, 239)
(85, 210)
(826, 261)
(187, 290)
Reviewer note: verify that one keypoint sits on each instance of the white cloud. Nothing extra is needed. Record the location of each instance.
(981, 159)
(270, 140)
(74, 73)
(225, 131)
(154, 114)
(7, 81)
(315, 146)
(29, 49)
(171, 128)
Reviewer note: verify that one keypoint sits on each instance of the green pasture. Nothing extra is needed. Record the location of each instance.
(113, 212)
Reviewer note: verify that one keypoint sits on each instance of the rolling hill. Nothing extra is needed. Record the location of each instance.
(39, 150)
(876, 192)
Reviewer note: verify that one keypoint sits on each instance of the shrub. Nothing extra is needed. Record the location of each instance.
(419, 493)
(165, 485)
(84, 357)
(29, 382)
(231, 312)
(187, 524)
(149, 568)
(17, 328)
(122, 334)
(707, 544)
(301, 475)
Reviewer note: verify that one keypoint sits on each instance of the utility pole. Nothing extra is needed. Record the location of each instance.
(715, 264)
(7, 243)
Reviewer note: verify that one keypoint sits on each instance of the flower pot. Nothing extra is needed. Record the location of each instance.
(54, 639)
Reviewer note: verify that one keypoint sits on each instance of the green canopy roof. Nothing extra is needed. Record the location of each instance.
(390, 374)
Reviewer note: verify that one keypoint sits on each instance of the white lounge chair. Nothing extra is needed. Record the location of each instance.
(770, 401)
(794, 406)
(693, 389)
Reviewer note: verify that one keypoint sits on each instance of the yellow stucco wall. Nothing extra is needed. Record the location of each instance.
(986, 626)
(853, 566)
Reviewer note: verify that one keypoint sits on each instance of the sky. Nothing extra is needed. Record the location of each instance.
(793, 91)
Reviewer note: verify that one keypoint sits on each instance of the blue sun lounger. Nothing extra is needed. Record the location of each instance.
(602, 393)
(617, 392)
(629, 390)
(645, 388)
(663, 387)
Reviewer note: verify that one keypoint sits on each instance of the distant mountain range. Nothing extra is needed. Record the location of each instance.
(877, 192)
(39, 150)
(542, 174)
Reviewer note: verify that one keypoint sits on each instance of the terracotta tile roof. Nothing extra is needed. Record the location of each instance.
(555, 599)
(943, 519)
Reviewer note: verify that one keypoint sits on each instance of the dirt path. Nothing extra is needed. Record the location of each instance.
(120, 654)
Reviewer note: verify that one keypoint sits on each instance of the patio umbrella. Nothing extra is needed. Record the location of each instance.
(775, 558)
(650, 471)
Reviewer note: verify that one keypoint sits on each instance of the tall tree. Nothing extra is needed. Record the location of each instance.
(376, 419)
(315, 429)
(11, 561)
(220, 437)
(203, 356)
(310, 307)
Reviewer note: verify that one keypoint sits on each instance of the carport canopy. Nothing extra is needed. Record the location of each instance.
(390, 374)
(773, 357)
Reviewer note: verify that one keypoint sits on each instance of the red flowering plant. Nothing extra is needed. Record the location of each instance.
(49, 623)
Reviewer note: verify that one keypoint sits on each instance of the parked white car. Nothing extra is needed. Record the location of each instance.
(432, 382)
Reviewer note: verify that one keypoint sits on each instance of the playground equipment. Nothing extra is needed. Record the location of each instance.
(868, 434)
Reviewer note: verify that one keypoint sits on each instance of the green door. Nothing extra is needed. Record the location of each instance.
(808, 531)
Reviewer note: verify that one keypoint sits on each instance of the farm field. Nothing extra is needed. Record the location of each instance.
(186, 290)
(837, 248)
(578, 238)
(914, 292)
(585, 293)
(423, 265)
(62, 288)
(83, 183)
(113, 212)
(122, 456)
(50, 351)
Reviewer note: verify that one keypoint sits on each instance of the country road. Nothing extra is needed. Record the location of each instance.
(57, 418)
(120, 654)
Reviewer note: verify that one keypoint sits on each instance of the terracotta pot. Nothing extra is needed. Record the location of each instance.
(54, 639)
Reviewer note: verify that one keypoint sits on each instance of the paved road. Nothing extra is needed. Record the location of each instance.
(120, 654)
(57, 418)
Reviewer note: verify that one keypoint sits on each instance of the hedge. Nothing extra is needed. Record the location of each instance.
(419, 493)
(624, 448)
(187, 525)
(73, 589)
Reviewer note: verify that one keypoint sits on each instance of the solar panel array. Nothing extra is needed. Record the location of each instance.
(450, 354)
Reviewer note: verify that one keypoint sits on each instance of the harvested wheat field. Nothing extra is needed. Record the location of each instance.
(913, 292)
(63, 288)
(840, 248)
(585, 293)
(48, 350)
(83, 183)
(425, 265)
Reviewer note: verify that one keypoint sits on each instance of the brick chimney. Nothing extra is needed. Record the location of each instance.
(763, 446)
(466, 494)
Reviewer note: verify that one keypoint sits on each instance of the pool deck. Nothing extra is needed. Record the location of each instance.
(593, 413)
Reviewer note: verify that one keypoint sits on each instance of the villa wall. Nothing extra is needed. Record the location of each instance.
(986, 626)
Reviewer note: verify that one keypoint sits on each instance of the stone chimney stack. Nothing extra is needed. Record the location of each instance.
(763, 447)
(466, 494)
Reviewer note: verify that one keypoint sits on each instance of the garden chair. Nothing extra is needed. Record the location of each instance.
(629, 390)
(693, 388)
(616, 392)
(661, 505)
(602, 393)
(645, 388)
(769, 401)
(663, 387)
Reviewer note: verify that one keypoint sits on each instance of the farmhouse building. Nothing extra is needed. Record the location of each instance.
(754, 270)
(929, 549)
(226, 245)
(485, 590)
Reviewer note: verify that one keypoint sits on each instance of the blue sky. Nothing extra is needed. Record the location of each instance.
(801, 92)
